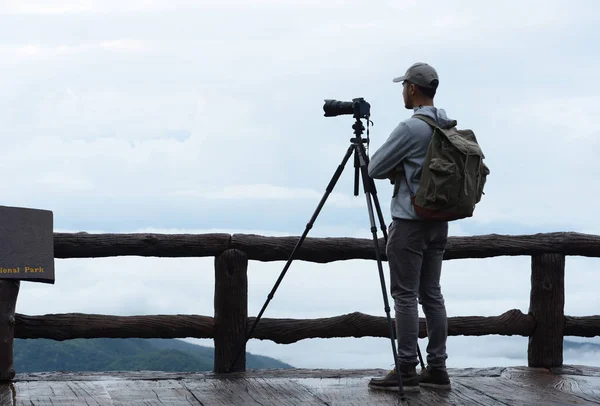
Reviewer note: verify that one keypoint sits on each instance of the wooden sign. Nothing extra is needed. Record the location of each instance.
(26, 244)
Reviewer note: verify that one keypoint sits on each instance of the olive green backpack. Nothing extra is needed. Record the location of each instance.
(453, 174)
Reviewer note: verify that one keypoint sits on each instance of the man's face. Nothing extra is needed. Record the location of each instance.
(407, 94)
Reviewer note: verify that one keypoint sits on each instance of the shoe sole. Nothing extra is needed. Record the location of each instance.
(395, 388)
(436, 385)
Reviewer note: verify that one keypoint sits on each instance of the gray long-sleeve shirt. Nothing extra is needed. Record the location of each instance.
(405, 149)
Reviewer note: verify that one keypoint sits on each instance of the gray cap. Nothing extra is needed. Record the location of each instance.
(420, 74)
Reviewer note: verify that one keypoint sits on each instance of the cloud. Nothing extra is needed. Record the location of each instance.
(550, 143)
(35, 52)
(180, 115)
(571, 119)
(271, 192)
(91, 6)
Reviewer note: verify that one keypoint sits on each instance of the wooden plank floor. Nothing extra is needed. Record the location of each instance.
(570, 385)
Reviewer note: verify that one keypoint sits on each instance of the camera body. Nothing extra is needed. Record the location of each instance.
(358, 108)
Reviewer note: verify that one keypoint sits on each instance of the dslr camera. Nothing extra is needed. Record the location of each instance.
(358, 108)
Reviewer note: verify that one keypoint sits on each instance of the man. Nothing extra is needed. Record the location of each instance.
(415, 247)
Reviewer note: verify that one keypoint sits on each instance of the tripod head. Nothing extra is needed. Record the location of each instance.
(361, 155)
(359, 108)
(359, 128)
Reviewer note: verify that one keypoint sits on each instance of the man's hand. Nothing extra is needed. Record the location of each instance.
(392, 176)
(395, 174)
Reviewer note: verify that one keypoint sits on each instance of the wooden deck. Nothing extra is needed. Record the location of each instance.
(522, 386)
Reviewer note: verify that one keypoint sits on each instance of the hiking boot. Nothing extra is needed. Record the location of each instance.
(410, 380)
(435, 378)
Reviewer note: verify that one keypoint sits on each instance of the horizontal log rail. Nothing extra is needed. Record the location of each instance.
(544, 323)
(282, 331)
(79, 325)
(319, 250)
(586, 326)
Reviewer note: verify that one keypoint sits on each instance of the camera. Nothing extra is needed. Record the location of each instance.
(358, 107)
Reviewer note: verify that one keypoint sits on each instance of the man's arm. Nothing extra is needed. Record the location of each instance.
(394, 150)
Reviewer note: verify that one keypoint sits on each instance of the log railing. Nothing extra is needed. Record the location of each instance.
(545, 323)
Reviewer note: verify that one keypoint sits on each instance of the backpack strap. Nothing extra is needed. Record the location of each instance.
(408, 185)
(427, 119)
(432, 123)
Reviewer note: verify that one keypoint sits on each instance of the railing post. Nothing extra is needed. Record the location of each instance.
(231, 309)
(9, 290)
(546, 304)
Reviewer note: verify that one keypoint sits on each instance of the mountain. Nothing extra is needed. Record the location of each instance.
(134, 354)
(122, 354)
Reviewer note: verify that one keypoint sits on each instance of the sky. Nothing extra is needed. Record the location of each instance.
(196, 116)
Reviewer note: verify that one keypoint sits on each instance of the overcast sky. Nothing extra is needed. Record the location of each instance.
(197, 116)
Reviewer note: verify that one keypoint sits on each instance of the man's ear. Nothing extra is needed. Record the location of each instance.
(413, 89)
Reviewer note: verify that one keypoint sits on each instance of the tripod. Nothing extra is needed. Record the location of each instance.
(360, 167)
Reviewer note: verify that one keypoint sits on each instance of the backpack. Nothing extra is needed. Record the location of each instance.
(453, 174)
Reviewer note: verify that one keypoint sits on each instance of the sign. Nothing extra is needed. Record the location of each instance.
(26, 244)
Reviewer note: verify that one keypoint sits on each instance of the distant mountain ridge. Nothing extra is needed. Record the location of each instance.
(136, 354)
(122, 354)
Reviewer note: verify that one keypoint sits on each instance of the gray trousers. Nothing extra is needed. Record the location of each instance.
(414, 251)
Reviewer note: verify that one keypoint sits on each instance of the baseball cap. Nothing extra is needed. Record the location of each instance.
(421, 74)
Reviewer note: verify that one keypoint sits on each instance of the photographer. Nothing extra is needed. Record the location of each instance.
(415, 247)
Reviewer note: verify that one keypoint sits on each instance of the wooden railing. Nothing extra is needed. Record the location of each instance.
(545, 323)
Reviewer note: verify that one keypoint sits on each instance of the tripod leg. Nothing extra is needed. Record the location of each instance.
(367, 188)
(356, 174)
(328, 191)
(378, 209)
